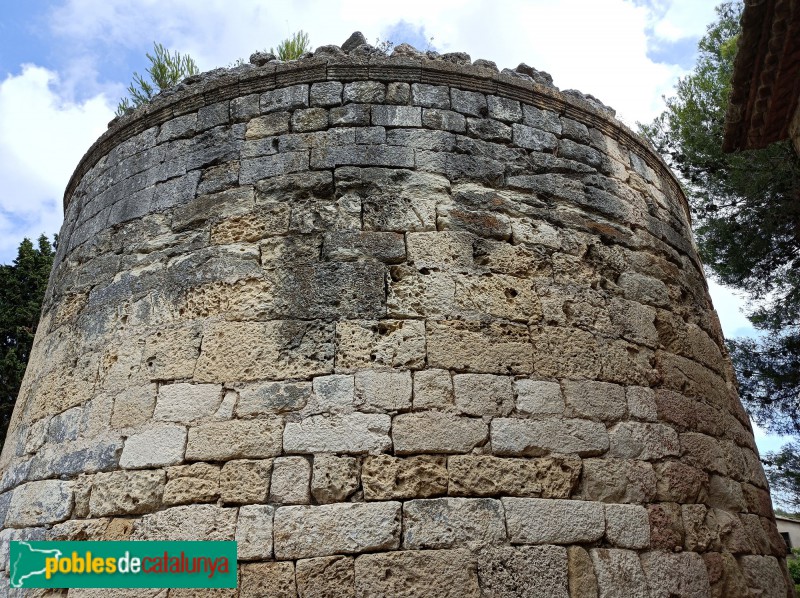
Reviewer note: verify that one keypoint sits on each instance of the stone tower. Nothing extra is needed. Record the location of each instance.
(400, 326)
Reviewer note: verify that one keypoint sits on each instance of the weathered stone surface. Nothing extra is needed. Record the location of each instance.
(326, 577)
(126, 492)
(538, 397)
(243, 351)
(595, 400)
(433, 389)
(355, 433)
(195, 483)
(542, 521)
(713, 529)
(386, 478)
(40, 503)
(619, 573)
(494, 348)
(727, 494)
(245, 481)
(627, 526)
(350, 528)
(268, 398)
(398, 344)
(666, 526)
(649, 442)
(671, 575)
(254, 532)
(187, 523)
(483, 394)
(485, 475)
(618, 481)
(582, 580)
(187, 402)
(725, 576)
(436, 432)
(291, 477)
(408, 574)
(162, 444)
(452, 522)
(333, 478)
(678, 482)
(524, 437)
(276, 580)
(382, 392)
(234, 439)
(506, 571)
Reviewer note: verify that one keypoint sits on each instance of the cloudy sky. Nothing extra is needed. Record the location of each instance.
(64, 64)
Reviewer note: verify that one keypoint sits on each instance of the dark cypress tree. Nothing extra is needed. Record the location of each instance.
(22, 287)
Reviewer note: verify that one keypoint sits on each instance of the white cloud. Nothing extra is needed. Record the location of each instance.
(41, 141)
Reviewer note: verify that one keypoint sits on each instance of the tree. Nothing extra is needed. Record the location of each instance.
(783, 473)
(22, 287)
(746, 206)
(293, 47)
(166, 69)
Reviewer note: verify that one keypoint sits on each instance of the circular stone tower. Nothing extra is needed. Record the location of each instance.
(400, 326)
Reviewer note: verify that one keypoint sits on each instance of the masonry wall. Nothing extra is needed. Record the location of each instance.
(400, 327)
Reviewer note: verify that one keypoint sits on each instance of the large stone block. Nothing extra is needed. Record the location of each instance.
(349, 528)
(187, 402)
(485, 475)
(452, 522)
(276, 580)
(187, 523)
(40, 503)
(519, 570)
(291, 477)
(160, 444)
(483, 394)
(254, 532)
(543, 521)
(619, 573)
(436, 432)
(526, 437)
(333, 478)
(355, 433)
(126, 492)
(195, 483)
(390, 478)
(671, 575)
(383, 344)
(408, 574)
(235, 439)
(494, 348)
(245, 481)
(326, 577)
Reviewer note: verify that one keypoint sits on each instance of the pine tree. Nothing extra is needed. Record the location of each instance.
(22, 288)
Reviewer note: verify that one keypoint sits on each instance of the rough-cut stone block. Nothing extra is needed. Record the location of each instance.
(533, 139)
(245, 481)
(430, 96)
(187, 402)
(469, 102)
(365, 92)
(326, 577)
(522, 570)
(312, 119)
(271, 398)
(670, 575)
(195, 483)
(725, 576)
(582, 580)
(350, 115)
(649, 442)
(362, 155)
(504, 109)
(488, 129)
(398, 93)
(526, 437)
(40, 503)
(445, 120)
(443, 249)
(126, 492)
(383, 392)
(595, 400)
(627, 526)
(287, 98)
(349, 528)
(243, 351)
(384, 477)
(485, 475)
(379, 344)
(254, 532)
(187, 523)
(538, 397)
(483, 394)
(450, 522)
(763, 575)
(619, 573)
(433, 389)
(355, 433)
(544, 521)
(333, 479)
(235, 439)
(541, 119)
(386, 247)
(666, 526)
(494, 347)
(436, 432)
(618, 481)
(326, 94)
(162, 444)
(265, 126)
(641, 403)
(290, 481)
(681, 483)
(331, 394)
(414, 573)
(397, 116)
(276, 580)
(725, 493)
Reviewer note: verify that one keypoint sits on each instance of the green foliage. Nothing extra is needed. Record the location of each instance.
(793, 561)
(166, 69)
(293, 47)
(22, 287)
(747, 212)
(783, 472)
